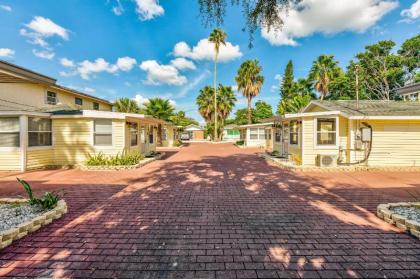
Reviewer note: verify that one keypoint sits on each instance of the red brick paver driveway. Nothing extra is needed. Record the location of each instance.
(215, 211)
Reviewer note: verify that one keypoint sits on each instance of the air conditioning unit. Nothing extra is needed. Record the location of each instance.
(326, 160)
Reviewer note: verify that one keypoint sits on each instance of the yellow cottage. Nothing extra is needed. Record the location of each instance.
(44, 124)
(346, 133)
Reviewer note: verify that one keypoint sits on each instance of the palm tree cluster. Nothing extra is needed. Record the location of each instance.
(225, 103)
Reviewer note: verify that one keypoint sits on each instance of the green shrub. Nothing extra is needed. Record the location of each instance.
(124, 159)
(47, 201)
(240, 142)
(177, 142)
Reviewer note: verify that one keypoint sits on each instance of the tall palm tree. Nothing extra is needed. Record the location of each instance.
(161, 109)
(225, 102)
(205, 103)
(249, 81)
(217, 37)
(126, 105)
(324, 70)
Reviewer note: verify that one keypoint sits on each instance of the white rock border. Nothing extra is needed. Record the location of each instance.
(142, 163)
(10, 235)
(402, 222)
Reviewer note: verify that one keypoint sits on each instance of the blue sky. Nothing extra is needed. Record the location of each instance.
(147, 48)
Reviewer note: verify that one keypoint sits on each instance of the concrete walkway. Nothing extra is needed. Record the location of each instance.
(216, 211)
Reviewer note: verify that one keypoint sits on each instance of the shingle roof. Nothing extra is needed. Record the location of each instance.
(372, 107)
(409, 89)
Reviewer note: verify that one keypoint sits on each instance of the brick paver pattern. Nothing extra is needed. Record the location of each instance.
(216, 211)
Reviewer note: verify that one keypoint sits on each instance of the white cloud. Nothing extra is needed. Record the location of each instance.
(126, 63)
(7, 52)
(45, 54)
(183, 64)
(67, 62)
(89, 90)
(204, 50)
(5, 8)
(87, 68)
(162, 74)
(277, 77)
(327, 17)
(413, 12)
(140, 99)
(149, 9)
(45, 27)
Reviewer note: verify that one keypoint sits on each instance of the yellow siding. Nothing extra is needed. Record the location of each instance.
(23, 95)
(310, 149)
(10, 160)
(73, 140)
(315, 109)
(39, 158)
(395, 143)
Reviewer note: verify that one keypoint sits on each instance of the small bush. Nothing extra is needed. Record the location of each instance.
(240, 142)
(124, 159)
(47, 201)
(177, 142)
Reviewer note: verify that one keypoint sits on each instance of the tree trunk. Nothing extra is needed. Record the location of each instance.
(249, 110)
(215, 99)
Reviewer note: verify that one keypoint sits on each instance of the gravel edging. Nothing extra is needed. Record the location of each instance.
(142, 163)
(21, 230)
(385, 212)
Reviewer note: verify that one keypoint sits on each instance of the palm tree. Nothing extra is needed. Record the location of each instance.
(161, 109)
(217, 37)
(294, 104)
(225, 102)
(205, 103)
(126, 105)
(249, 81)
(324, 70)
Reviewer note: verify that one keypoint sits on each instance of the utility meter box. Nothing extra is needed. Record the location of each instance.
(366, 134)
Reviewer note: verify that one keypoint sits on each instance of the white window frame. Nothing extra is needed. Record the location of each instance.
(12, 148)
(257, 134)
(131, 132)
(94, 133)
(42, 146)
(299, 133)
(46, 98)
(337, 133)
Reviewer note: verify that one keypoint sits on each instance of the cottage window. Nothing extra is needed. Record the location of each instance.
(294, 132)
(134, 134)
(278, 135)
(9, 132)
(143, 135)
(51, 98)
(103, 132)
(39, 131)
(151, 139)
(78, 101)
(326, 131)
(253, 133)
(96, 106)
(164, 134)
